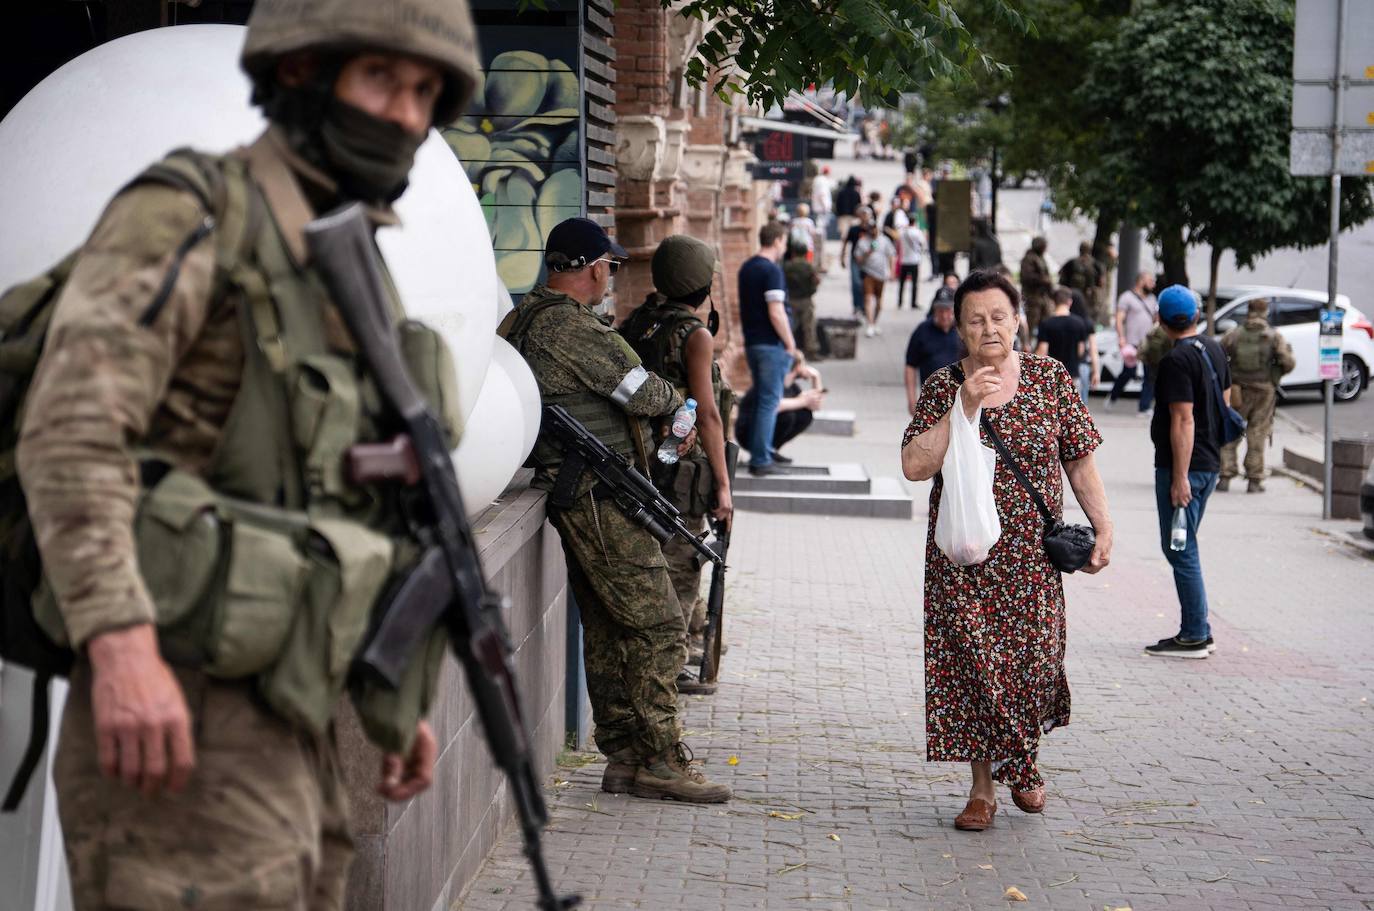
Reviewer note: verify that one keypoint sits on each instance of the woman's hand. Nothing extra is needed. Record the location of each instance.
(984, 381)
(1102, 553)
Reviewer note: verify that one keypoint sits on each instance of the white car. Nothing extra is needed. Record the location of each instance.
(1295, 313)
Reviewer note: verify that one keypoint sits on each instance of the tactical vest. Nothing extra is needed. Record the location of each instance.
(604, 418)
(658, 331)
(268, 566)
(1253, 360)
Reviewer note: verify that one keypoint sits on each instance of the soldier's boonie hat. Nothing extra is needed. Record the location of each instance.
(683, 265)
(577, 242)
(440, 31)
(1177, 307)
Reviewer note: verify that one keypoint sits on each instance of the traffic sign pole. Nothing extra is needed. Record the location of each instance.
(1328, 383)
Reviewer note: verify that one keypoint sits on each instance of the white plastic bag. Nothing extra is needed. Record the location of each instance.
(967, 526)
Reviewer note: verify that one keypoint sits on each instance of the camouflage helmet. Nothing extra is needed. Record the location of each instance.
(440, 31)
(682, 265)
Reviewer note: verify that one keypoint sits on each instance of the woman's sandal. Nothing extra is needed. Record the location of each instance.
(977, 815)
(1032, 801)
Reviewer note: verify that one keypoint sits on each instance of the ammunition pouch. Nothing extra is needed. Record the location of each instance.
(246, 590)
(688, 483)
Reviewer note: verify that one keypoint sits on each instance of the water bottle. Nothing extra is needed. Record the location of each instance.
(1178, 532)
(683, 422)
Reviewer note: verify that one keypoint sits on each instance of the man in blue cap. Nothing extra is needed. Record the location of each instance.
(1192, 386)
(633, 631)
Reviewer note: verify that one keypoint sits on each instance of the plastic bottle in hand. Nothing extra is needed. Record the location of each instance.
(683, 422)
(1178, 531)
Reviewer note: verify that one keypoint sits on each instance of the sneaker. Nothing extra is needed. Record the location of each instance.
(671, 775)
(1223, 485)
(869, 332)
(689, 684)
(763, 471)
(781, 459)
(1175, 647)
(877, 330)
(1109, 405)
(1255, 486)
(621, 766)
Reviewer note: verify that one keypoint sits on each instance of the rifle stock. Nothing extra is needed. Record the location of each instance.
(343, 249)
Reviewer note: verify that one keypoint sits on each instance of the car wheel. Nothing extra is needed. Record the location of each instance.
(1354, 376)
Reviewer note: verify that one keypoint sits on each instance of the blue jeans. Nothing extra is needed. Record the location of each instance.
(856, 286)
(1085, 379)
(1192, 592)
(768, 364)
(1147, 389)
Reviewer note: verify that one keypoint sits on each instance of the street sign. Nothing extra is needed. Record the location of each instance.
(1329, 345)
(1327, 102)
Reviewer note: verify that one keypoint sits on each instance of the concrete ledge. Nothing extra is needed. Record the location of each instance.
(832, 423)
(422, 854)
(887, 499)
(841, 478)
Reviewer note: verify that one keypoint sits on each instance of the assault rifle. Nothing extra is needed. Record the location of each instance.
(715, 601)
(635, 494)
(447, 586)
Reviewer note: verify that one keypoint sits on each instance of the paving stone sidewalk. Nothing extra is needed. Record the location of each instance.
(1243, 781)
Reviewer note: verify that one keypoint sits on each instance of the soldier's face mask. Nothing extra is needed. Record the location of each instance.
(370, 157)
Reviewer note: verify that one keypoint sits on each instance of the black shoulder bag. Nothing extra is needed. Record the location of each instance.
(1070, 547)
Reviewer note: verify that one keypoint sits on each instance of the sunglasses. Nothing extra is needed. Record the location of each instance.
(613, 264)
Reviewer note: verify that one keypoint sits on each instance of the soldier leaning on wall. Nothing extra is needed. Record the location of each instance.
(633, 630)
(191, 407)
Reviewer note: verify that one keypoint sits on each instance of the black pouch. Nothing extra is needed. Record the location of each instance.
(1070, 547)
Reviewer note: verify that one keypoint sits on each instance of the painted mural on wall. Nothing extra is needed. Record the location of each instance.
(521, 143)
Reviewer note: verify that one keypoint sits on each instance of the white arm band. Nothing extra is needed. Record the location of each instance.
(629, 386)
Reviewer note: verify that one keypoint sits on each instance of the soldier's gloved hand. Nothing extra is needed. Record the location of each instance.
(142, 725)
(405, 776)
(687, 443)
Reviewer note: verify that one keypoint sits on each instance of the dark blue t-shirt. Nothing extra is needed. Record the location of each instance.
(757, 278)
(930, 349)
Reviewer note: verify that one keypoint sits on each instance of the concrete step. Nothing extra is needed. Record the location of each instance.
(886, 499)
(832, 423)
(840, 478)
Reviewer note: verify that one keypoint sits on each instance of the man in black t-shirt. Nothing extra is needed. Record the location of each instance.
(1063, 336)
(1192, 385)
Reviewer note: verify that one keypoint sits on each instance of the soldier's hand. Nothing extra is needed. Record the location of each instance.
(725, 507)
(142, 725)
(405, 776)
(687, 443)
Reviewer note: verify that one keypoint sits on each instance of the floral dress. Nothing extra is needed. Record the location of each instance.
(994, 632)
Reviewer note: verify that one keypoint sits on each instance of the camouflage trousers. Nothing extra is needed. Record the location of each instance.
(686, 574)
(804, 312)
(632, 628)
(1039, 307)
(262, 824)
(1255, 402)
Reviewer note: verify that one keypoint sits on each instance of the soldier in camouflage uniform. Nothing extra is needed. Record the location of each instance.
(633, 629)
(674, 343)
(179, 785)
(1259, 358)
(1036, 285)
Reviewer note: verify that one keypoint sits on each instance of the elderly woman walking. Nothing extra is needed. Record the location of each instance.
(994, 632)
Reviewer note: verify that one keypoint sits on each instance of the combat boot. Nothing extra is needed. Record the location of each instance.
(621, 766)
(689, 684)
(1255, 486)
(671, 776)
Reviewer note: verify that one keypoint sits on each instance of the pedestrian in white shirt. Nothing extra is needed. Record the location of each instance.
(876, 256)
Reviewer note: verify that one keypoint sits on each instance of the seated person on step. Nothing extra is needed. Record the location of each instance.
(794, 411)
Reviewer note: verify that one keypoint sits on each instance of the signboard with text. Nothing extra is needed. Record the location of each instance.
(1329, 345)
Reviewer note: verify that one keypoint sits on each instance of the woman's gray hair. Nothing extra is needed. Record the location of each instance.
(985, 280)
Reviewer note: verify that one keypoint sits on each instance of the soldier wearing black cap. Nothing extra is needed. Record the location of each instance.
(633, 627)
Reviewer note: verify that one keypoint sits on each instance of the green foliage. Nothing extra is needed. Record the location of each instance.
(1195, 100)
(879, 48)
